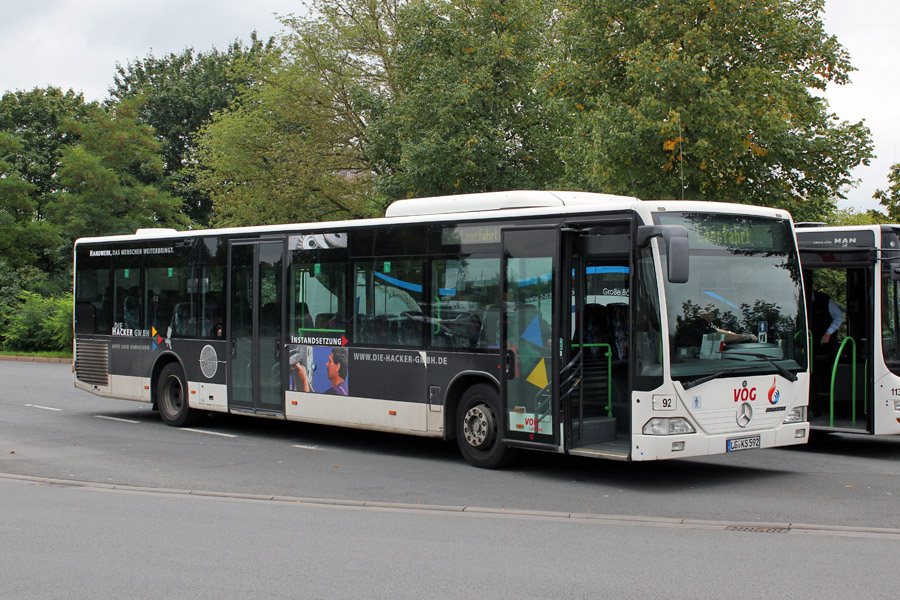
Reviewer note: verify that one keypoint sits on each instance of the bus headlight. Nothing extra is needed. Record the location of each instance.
(667, 426)
(795, 415)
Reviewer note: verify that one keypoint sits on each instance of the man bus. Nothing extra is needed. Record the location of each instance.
(855, 382)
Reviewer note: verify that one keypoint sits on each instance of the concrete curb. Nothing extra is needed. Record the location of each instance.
(37, 359)
(800, 528)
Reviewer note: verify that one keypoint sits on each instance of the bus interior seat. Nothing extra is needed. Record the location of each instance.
(131, 312)
(618, 320)
(183, 321)
(409, 331)
(322, 320)
(597, 328)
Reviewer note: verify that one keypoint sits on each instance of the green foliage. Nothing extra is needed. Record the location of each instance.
(24, 239)
(36, 121)
(849, 216)
(112, 179)
(290, 147)
(281, 156)
(466, 115)
(179, 93)
(39, 323)
(890, 198)
(33, 137)
(707, 100)
(59, 322)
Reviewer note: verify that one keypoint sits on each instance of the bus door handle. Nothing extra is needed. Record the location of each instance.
(233, 347)
(509, 364)
(277, 349)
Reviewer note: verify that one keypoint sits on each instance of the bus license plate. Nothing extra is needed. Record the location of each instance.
(745, 443)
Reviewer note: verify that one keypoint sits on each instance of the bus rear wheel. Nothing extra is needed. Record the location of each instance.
(478, 429)
(171, 398)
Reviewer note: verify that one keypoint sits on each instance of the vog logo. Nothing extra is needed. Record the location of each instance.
(744, 394)
(774, 394)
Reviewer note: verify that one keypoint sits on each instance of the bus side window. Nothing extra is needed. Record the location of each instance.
(464, 296)
(389, 294)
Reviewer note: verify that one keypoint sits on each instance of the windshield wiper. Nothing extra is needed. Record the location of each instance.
(789, 375)
(712, 376)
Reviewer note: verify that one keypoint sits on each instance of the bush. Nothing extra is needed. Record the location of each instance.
(39, 324)
(60, 322)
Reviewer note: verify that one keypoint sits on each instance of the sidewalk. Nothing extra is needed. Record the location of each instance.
(41, 359)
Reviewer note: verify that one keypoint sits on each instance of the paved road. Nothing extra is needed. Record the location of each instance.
(50, 429)
(685, 529)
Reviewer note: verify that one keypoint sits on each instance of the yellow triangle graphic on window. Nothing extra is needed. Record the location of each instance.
(538, 376)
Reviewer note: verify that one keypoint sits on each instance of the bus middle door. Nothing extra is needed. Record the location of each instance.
(255, 307)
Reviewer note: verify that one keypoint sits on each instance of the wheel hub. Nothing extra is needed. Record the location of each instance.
(478, 426)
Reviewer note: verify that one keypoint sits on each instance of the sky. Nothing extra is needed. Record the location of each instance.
(77, 43)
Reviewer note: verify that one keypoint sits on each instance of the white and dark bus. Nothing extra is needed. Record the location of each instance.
(578, 323)
(855, 378)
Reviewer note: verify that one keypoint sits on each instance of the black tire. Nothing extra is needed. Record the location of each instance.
(172, 397)
(478, 429)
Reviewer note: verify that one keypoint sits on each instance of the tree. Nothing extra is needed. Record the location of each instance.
(890, 198)
(24, 239)
(35, 120)
(112, 180)
(33, 137)
(180, 92)
(466, 115)
(282, 155)
(708, 100)
(291, 148)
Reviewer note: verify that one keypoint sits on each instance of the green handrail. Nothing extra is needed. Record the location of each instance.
(608, 356)
(852, 379)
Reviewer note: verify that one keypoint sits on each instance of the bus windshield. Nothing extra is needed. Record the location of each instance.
(741, 312)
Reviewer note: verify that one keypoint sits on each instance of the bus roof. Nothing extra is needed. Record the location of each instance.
(480, 206)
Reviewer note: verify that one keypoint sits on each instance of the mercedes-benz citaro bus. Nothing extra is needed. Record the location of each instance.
(580, 323)
(851, 275)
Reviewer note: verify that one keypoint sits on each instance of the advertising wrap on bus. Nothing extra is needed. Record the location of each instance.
(503, 321)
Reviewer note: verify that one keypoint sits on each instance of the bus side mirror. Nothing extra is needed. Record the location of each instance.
(676, 240)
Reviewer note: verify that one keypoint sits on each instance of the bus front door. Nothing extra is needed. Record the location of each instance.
(255, 327)
(529, 387)
(594, 377)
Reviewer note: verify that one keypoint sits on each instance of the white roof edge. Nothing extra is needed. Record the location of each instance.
(153, 231)
(489, 201)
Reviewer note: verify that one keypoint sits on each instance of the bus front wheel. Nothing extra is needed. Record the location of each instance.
(478, 431)
(171, 397)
